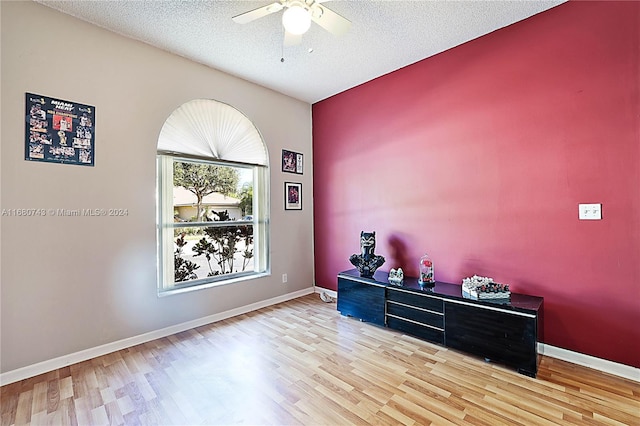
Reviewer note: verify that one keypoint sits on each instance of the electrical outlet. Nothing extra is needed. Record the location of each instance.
(284, 278)
(590, 211)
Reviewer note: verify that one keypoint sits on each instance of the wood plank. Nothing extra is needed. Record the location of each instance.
(301, 362)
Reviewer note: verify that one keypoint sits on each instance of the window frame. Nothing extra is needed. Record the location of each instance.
(166, 225)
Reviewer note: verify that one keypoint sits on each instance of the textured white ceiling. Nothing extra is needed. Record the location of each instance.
(384, 36)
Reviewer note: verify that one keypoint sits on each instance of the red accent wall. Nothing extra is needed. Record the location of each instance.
(480, 156)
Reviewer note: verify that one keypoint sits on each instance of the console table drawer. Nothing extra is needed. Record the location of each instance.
(506, 337)
(361, 300)
(415, 313)
(415, 329)
(430, 303)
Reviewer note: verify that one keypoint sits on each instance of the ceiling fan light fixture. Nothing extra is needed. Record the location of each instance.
(296, 19)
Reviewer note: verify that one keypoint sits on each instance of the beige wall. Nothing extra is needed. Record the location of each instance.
(74, 283)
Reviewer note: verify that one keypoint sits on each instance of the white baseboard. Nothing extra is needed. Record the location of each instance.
(331, 293)
(65, 360)
(599, 364)
(606, 366)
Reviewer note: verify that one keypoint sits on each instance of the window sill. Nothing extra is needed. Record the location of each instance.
(202, 286)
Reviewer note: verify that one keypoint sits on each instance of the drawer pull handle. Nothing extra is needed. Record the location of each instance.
(415, 322)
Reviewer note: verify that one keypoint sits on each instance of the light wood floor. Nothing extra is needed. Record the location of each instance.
(301, 363)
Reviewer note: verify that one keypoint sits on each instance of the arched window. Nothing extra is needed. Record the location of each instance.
(213, 212)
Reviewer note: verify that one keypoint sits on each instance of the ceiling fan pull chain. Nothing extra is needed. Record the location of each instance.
(282, 57)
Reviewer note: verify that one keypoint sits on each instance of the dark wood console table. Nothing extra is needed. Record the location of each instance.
(502, 331)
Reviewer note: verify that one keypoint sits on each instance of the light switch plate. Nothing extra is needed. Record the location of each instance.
(590, 211)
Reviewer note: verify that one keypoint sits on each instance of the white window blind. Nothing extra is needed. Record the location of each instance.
(212, 129)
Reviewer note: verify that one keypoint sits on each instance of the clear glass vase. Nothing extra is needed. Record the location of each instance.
(426, 271)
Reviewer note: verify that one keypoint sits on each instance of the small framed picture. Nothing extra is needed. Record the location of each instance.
(292, 196)
(292, 162)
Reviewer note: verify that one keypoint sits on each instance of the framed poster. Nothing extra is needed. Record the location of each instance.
(292, 196)
(292, 162)
(59, 131)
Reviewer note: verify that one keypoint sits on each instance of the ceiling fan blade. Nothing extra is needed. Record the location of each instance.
(330, 20)
(292, 39)
(254, 14)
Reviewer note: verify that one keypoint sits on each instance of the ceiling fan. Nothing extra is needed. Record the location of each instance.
(297, 18)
